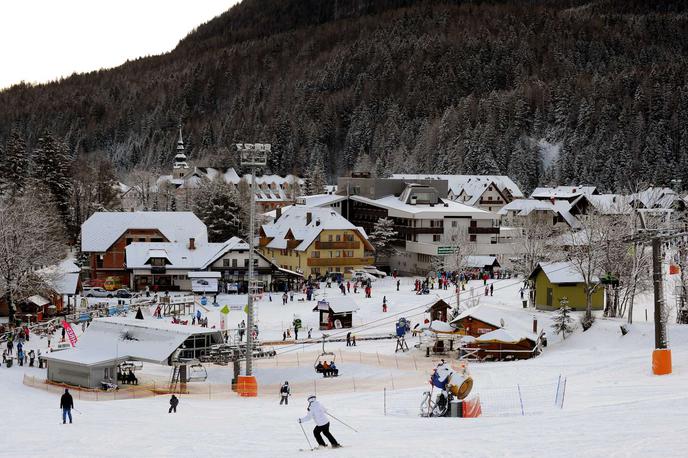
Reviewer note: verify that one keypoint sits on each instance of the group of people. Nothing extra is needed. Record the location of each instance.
(327, 369)
(350, 339)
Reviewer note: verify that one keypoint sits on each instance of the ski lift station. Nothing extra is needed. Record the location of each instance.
(108, 342)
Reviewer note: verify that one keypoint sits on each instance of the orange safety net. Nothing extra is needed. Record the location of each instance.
(471, 407)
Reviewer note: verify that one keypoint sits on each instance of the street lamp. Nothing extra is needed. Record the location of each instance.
(252, 155)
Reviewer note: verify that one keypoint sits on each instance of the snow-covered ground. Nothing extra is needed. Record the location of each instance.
(614, 406)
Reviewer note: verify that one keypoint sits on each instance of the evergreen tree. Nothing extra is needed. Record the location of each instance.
(382, 237)
(562, 319)
(14, 166)
(314, 177)
(52, 164)
(216, 204)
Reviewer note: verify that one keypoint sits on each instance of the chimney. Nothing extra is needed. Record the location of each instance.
(534, 325)
(278, 213)
(309, 217)
(192, 243)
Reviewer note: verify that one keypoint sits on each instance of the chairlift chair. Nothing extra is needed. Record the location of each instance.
(197, 373)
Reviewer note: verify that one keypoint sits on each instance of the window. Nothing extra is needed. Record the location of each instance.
(489, 197)
(225, 263)
(246, 262)
(349, 237)
(455, 224)
(337, 254)
(234, 262)
(315, 270)
(338, 238)
(128, 241)
(349, 254)
(329, 238)
(156, 239)
(142, 239)
(337, 269)
(436, 237)
(472, 239)
(99, 261)
(315, 254)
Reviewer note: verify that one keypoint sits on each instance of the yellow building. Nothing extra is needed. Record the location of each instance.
(315, 241)
(556, 280)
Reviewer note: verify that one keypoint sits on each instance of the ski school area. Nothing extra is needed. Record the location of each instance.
(526, 391)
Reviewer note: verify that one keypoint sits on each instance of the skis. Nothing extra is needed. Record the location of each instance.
(319, 449)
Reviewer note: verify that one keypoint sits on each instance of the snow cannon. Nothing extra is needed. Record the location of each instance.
(403, 326)
(460, 385)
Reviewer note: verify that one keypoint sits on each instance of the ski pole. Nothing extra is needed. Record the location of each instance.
(77, 411)
(340, 421)
(306, 436)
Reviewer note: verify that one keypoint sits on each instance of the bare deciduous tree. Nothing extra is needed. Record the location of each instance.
(31, 237)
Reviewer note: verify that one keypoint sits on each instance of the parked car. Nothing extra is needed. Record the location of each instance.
(364, 276)
(123, 293)
(372, 270)
(96, 291)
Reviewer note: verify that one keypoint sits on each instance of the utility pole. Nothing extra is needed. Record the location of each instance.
(252, 155)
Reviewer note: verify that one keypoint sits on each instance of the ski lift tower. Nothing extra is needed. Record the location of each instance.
(252, 155)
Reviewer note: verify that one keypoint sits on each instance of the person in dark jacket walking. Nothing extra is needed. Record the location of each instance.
(66, 404)
(174, 402)
(284, 394)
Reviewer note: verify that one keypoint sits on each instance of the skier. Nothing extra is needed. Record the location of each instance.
(66, 404)
(348, 339)
(32, 357)
(242, 328)
(398, 283)
(284, 394)
(174, 401)
(384, 303)
(318, 414)
(491, 289)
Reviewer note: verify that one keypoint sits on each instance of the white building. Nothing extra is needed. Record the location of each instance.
(488, 192)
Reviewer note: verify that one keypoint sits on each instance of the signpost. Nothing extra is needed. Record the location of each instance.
(443, 250)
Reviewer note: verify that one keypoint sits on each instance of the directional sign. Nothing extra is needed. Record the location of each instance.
(445, 250)
(224, 310)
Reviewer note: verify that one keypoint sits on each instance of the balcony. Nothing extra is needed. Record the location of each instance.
(337, 245)
(483, 230)
(326, 262)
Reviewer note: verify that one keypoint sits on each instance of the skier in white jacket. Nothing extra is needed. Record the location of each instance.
(318, 414)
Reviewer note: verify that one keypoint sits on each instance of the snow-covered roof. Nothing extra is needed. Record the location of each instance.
(102, 229)
(562, 192)
(561, 272)
(338, 304)
(38, 300)
(150, 340)
(611, 204)
(473, 185)
(518, 322)
(397, 208)
(441, 327)
(655, 197)
(523, 207)
(503, 335)
(481, 261)
(294, 221)
(319, 200)
(179, 255)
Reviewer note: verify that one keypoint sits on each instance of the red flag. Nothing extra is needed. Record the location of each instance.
(70, 332)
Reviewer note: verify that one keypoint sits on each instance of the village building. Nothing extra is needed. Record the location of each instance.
(106, 235)
(428, 226)
(315, 242)
(558, 283)
(498, 334)
(201, 267)
(487, 192)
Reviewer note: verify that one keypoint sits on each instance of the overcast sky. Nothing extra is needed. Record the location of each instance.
(41, 40)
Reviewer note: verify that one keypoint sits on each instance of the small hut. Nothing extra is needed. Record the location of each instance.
(439, 311)
(336, 312)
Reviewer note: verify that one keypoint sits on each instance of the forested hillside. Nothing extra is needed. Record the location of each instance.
(566, 91)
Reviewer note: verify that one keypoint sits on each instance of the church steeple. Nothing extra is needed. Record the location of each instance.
(180, 165)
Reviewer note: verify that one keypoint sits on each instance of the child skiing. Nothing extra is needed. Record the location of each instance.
(284, 394)
(174, 402)
(318, 414)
